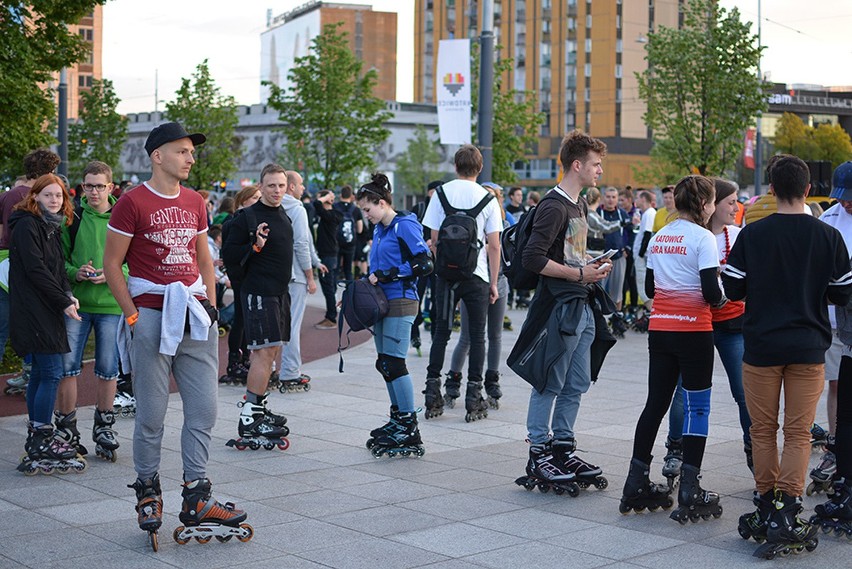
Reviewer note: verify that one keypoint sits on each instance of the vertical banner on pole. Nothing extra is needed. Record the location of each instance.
(748, 149)
(453, 90)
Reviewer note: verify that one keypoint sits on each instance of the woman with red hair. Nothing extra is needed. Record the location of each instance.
(41, 298)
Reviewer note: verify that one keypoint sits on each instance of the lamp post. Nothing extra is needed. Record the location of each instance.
(485, 122)
(62, 123)
(758, 167)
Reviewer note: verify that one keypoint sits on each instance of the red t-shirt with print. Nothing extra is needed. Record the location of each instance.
(164, 230)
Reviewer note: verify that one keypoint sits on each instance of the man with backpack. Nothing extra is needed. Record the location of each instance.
(351, 225)
(466, 223)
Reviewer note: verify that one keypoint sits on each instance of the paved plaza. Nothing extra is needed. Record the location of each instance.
(326, 502)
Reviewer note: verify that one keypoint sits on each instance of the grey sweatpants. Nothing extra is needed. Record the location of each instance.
(194, 366)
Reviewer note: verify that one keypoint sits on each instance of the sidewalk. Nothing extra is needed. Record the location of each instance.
(326, 502)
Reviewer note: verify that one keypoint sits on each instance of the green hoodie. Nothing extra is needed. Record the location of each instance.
(89, 245)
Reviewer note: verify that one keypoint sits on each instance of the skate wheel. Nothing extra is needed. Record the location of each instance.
(717, 515)
(558, 491)
(420, 451)
(639, 509)
(203, 538)
(178, 538)
(543, 488)
(573, 491)
(254, 445)
(224, 538)
(653, 508)
(377, 452)
(601, 483)
(155, 541)
(283, 444)
(811, 545)
(810, 489)
(249, 533)
(269, 446)
(624, 508)
(63, 468)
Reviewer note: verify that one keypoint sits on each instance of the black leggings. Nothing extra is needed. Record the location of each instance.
(673, 354)
(843, 432)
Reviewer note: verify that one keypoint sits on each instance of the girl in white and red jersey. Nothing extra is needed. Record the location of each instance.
(682, 278)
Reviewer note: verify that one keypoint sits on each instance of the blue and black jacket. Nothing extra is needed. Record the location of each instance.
(399, 255)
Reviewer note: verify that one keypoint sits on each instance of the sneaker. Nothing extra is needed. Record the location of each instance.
(326, 324)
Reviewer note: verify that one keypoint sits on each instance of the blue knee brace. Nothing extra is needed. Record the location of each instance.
(696, 412)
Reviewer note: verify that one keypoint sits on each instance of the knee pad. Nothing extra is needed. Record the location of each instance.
(696, 408)
(381, 367)
(392, 367)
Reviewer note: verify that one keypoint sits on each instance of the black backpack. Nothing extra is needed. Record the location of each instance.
(346, 229)
(513, 241)
(363, 305)
(458, 240)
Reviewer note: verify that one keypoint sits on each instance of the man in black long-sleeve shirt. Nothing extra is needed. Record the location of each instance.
(328, 251)
(264, 248)
(785, 265)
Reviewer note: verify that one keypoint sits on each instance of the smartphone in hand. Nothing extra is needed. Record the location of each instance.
(603, 257)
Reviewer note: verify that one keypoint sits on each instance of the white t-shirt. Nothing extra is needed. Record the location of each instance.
(463, 194)
(647, 224)
(837, 217)
(676, 254)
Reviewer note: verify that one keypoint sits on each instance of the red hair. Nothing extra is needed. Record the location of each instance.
(30, 204)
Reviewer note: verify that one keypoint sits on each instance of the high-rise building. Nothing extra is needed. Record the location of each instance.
(371, 35)
(81, 75)
(579, 57)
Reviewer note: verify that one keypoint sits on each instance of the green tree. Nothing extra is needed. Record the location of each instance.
(333, 123)
(793, 136)
(201, 107)
(701, 88)
(419, 164)
(834, 144)
(100, 132)
(34, 44)
(516, 121)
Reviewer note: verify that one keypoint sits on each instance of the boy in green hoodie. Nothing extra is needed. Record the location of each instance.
(83, 242)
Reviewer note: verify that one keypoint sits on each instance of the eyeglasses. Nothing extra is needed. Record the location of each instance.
(95, 187)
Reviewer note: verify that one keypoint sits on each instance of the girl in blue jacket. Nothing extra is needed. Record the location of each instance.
(398, 256)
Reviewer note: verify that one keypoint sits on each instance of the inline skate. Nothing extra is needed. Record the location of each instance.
(475, 406)
(18, 385)
(507, 324)
(204, 518)
(547, 473)
(46, 454)
(787, 533)
(66, 430)
(694, 503)
(104, 435)
(259, 429)
(402, 440)
(673, 461)
(124, 404)
(434, 400)
(149, 507)
(416, 343)
(819, 437)
(823, 475)
(492, 388)
(385, 429)
(640, 493)
(755, 524)
(301, 383)
(640, 321)
(236, 373)
(618, 325)
(452, 388)
(836, 514)
(585, 474)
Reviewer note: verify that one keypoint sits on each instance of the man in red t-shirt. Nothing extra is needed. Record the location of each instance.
(160, 229)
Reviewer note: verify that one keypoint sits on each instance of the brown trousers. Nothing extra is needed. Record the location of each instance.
(803, 385)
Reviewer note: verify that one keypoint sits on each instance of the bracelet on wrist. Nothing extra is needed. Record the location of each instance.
(581, 275)
(131, 320)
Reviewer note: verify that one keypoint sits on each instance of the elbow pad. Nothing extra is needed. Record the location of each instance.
(421, 265)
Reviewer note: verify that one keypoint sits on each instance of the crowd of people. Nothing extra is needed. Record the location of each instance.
(149, 273)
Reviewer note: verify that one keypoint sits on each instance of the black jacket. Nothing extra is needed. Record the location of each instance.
(39, 290)
(329, 223)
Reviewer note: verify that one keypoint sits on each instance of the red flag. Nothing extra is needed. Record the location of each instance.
(748, 150)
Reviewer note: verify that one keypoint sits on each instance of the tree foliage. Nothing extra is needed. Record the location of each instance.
(100, 132)
(701, 88)
(824, 142)
(419, 164)
(201, 107)
(34, 44)
(333, 123)
(516, 121)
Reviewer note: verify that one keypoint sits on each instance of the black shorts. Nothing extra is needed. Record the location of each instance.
(266, 319)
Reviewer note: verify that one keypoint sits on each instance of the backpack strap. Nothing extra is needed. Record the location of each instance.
(74, 228)
(477, 209)
(251, 225)
(445, 203)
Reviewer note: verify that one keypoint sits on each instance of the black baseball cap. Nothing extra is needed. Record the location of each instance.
(169, 132)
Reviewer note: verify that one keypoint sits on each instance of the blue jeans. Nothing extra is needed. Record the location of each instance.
(569, 378)
(730, 347)
(392, 336)
(4, 321)
(106, 349)
(41, 391)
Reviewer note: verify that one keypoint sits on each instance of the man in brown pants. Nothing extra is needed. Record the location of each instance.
(785, 267)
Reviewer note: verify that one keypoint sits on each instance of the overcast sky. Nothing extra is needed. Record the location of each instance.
(169, 38)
